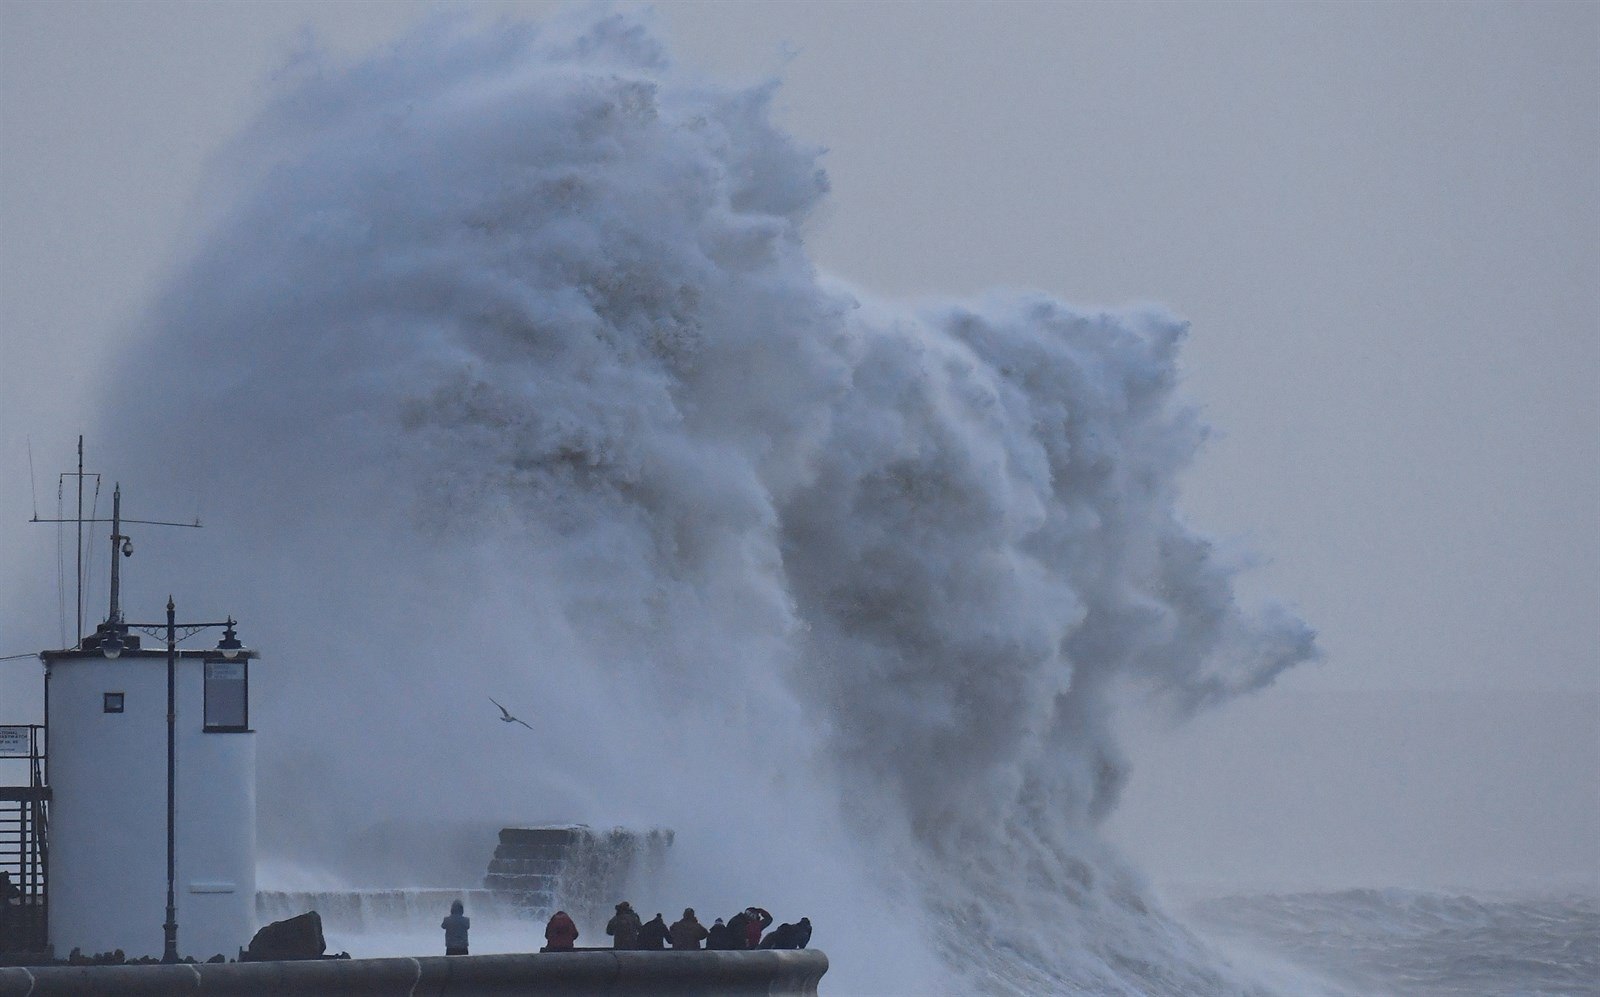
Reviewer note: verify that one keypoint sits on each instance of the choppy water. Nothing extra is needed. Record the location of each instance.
(1416, 944)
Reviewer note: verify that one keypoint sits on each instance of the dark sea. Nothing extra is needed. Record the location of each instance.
(1409, 943)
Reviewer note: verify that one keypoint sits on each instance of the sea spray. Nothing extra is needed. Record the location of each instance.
(510, 377)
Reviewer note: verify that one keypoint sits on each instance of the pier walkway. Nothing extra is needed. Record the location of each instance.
(596, 973)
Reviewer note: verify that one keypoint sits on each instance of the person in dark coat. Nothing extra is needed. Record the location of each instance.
(738, 936)
(689, 932)
(455, 930)
(717, 936)
(759, 921)
(624, 927)
(789, 936)
(560, 933)
(653, 935)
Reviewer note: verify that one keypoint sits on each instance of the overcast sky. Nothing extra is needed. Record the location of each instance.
(1380, 218)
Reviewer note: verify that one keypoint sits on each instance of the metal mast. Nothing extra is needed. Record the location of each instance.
(120, 542)
(77, 632)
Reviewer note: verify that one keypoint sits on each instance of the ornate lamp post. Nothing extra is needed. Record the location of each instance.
(229, 646)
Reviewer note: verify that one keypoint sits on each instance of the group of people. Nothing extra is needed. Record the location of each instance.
(743, 930)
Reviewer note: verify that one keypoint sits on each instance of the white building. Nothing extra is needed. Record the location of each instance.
(106, 721)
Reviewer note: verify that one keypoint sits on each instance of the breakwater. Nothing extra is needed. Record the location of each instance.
(718, 974)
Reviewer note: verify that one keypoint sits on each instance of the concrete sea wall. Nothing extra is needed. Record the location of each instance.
(669, 974)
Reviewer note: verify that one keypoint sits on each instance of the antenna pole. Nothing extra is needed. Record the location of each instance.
(120, 542)
(116, 535)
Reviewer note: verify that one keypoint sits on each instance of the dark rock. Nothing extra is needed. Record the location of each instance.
(298, 937)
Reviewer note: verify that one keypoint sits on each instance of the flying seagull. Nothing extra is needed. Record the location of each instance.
(506, 717)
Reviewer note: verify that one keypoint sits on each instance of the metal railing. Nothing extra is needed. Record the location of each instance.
(24, 837)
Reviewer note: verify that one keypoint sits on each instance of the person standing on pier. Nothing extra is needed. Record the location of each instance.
(717, 937)
(789, 936)
(624, 927)
(653, 936)
(757, 920)
(560, 933)
(688, 932)
(455, 930)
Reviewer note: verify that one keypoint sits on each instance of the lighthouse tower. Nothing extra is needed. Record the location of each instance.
(151, 764)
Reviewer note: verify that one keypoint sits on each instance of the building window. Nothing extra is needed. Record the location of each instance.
(113, 702)
(227, 696)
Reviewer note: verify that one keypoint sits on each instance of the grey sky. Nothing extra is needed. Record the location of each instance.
(1381, 220)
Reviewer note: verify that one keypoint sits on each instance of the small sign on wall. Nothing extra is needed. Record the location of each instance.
(14, 742)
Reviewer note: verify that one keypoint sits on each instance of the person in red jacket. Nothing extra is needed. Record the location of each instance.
(560, 933)
(759, 921)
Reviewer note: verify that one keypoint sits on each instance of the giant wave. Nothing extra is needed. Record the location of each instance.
(504, 359)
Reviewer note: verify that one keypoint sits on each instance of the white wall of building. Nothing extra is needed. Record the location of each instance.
(108, 775)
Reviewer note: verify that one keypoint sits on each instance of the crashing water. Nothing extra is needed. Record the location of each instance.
(375, 924)
(366, 912)
(509, 375)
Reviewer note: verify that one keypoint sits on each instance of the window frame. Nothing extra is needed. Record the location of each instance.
(205, 700)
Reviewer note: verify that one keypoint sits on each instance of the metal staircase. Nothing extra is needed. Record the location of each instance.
(24, 840)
